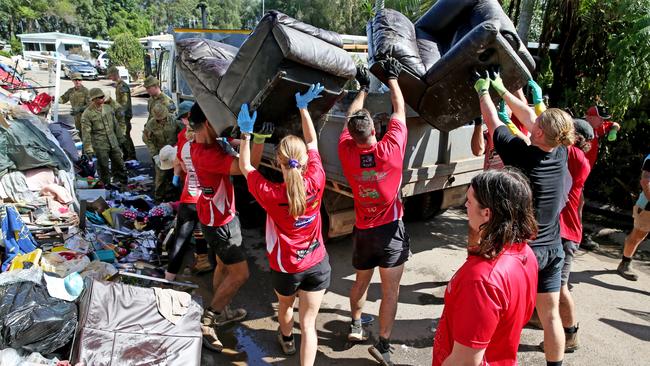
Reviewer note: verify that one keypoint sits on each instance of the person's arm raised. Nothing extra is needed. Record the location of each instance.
(520, 109)
(245, 121)
(478, 142)
(363, 77)
(302, 101)
(488, 110)
(393, 68)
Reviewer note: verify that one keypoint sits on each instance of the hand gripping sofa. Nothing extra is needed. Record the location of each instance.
(281, 57)
(441, 50)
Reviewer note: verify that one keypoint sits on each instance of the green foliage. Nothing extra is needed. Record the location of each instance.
(16, 46)
(126, 51)
(5, 53)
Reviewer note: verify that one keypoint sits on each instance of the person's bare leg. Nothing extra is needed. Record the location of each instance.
(632, 242)
(359, 291)
(218, 275)
(308, 310)
(285, 313)
(390, 278)
(236, 276)
(567, 307)
(548, 305)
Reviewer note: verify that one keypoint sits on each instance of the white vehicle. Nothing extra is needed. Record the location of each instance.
(101, 64)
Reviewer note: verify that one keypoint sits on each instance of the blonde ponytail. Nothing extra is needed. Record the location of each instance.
(292, 155)
(557, 126)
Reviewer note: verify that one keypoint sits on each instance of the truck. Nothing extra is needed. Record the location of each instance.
(438, 165)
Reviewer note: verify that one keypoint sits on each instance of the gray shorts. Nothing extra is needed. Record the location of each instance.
(550, 259)
(570, 249)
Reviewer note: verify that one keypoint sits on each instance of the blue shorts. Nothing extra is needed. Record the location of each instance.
(550, 259)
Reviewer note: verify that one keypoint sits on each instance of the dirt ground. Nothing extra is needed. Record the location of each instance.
(614, 314)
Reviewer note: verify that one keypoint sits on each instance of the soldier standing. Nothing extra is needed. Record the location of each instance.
(78, 98)
(124, 115)
(101, 137)
(161, 129)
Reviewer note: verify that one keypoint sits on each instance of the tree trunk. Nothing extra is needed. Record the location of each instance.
(525, 18)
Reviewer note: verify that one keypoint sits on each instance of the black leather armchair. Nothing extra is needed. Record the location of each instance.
(441, 50)
(281, 57)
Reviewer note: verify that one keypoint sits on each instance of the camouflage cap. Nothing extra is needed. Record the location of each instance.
(112, 71)
(151, 81)
(160, 111)
(95, 93)
(75, 76)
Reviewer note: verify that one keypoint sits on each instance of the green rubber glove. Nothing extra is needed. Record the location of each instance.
(497, 84)
(503, 113)
(536, 90)
(611, 136)
(482, 84)
(263, 134)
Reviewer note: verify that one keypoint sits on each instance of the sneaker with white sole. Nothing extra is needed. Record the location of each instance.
(288, 347)
(357, 334)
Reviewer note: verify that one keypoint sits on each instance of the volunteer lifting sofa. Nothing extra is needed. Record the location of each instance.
(442, 49)
(281, 57)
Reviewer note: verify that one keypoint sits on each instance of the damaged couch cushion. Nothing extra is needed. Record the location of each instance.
(453, 38)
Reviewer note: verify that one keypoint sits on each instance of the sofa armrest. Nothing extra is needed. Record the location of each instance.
(207, 59)
(330, 37)
(314, 52)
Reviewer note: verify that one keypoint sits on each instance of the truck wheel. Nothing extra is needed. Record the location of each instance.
(423, 206)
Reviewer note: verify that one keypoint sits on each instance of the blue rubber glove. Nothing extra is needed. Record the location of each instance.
(244, 120)
(176, 181)
(536, 90)
(303, 100)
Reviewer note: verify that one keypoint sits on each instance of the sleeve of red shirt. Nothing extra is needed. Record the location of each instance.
(476, 314)
(395, 137)
(603, 129)
(315, 169)
(259, 187)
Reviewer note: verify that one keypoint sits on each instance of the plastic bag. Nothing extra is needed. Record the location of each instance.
(33, 321)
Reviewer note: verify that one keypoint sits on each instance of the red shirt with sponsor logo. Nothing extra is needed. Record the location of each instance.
(216, 203)
(375, 175)
(190, 193)
(292, 244)
(492, 159)
(602, 130)
(579, 169)
(487, 304)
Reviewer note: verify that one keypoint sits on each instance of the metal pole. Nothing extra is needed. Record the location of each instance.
(57, 84)
(262, 8)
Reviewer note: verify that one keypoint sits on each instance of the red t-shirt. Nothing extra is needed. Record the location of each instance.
(292, 245)
(519, 125)
(579, 169)
(487, 304)
(592, 154)
(375, 175)
(216, 202)
(191, 187)
(492, 158)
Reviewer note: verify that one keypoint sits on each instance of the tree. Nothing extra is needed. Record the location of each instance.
(126, 51)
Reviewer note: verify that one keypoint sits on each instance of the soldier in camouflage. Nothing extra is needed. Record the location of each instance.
(125, 113)
(78, 98)
(160, 130)
(102, 137)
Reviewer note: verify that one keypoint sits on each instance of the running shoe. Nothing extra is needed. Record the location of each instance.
(288, 347)
(357, 334)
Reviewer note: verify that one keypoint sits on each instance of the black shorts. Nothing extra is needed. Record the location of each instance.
(570, 249)
(385, 246)
(550, 259)
(225, 241)
(313, 279)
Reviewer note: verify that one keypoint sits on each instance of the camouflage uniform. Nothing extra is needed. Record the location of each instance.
(161, 129)
(123, 97)
(101, 136)
(79, 100)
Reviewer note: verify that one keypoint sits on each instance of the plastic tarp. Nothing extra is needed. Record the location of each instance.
(15, 237)
(121, 325)
(281, 57)
(32, 320)
(442, 49)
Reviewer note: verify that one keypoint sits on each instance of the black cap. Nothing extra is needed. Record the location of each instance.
(583, 128)
(197, 117)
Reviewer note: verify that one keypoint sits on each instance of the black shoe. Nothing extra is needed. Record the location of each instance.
(588, 243)
(626, 272)
(381, 354)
